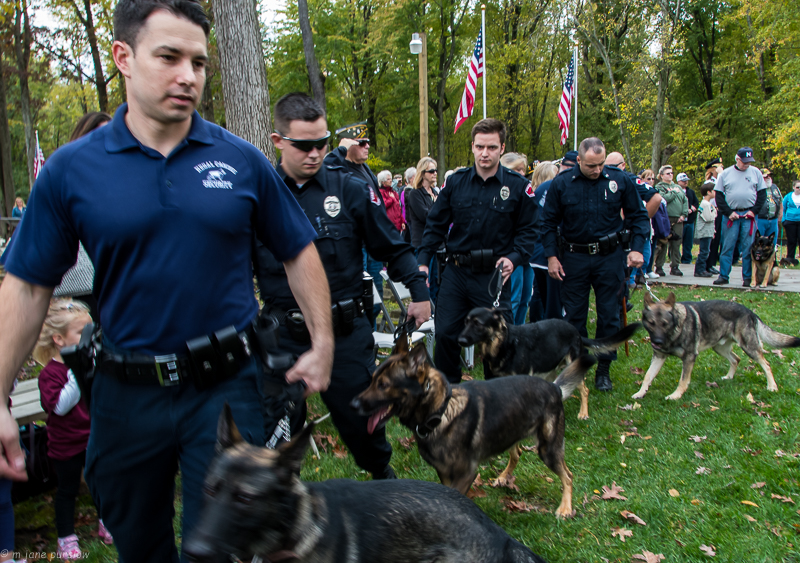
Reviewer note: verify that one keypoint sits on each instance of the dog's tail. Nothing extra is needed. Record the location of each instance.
(573, 374)
(608, 344)
(775, 338)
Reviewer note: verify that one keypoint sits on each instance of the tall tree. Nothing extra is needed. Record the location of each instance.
(5, 145)
(315, 78)
(244, 76)
(86, 18)
(23, 37)
(671, 12)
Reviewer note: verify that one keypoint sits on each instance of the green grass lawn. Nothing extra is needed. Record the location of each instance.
(749, 451)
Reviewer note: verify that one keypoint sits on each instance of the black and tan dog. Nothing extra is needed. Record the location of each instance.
(458, 426)
(542, 349)
(765, 269)
(686, 329)
(256, 504)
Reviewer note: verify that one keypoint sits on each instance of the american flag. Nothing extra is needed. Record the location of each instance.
(566, 102)
(475, 71)
(38, 159)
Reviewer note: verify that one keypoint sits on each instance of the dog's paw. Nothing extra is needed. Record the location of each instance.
(674, 397)
(727, 376)
(583, 416)
(639, 395)
(773, 388)
(565, 513)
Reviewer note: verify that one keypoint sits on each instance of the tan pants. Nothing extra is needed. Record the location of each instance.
(674, 247)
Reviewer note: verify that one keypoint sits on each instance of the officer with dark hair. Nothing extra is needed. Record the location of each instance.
(346, 214)
(586, 203)
(493, 217)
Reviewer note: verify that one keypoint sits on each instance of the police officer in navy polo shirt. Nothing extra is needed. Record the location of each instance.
(586, 203)
(493, 217)
(347, 214)
(166, 206)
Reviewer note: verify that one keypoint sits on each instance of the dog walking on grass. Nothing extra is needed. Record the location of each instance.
(458, 426)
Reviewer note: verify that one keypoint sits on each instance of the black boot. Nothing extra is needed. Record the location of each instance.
(602, 379)
(386, 473)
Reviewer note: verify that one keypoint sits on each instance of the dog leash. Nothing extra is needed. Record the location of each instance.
(498, 271)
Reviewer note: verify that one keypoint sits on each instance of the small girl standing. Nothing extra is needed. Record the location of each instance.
(68, 421)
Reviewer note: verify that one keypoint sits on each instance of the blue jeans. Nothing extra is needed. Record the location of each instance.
(521, 282)
(737, 235)
(768, 227)
(141, 435)
(688, 242)
(646, 252)
(705, 247)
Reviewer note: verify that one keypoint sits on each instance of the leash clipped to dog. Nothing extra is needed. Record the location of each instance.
(498, 271)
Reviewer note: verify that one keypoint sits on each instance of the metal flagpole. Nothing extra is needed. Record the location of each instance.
(575, 96)
(483, 47)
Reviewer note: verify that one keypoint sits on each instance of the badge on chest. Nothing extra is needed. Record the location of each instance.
(612, 187)
(332, 205)
(504, 193)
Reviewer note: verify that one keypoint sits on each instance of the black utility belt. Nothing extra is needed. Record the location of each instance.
(343, 314)
(605, 245)
(479, 261)
(210, 359)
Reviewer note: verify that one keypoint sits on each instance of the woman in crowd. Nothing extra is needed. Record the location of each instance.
(391, 200)
(545, 302)
(19, 208)
(418, 204)
(649, 178)
(678, 210)
(791, 221)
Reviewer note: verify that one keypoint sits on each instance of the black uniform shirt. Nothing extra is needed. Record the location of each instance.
(590, 209)
(347, 215)
(498, 214)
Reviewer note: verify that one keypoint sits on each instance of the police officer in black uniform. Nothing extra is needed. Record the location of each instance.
(346, 214)
(586, 203)
(493, 216)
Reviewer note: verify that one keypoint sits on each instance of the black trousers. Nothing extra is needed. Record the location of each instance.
(713, 254)
(352, 373)
(606, 276)
(792, 230)
(460, 292)
(69, 473)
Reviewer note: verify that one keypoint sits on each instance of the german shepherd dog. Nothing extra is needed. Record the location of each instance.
(542, 349)
(686, 329)
(762, 253)
(456, 427)
(256, 504)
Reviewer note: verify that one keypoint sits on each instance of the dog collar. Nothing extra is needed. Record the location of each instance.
(434, 420)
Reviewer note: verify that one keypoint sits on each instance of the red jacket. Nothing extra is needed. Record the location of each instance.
(67, 435)
(392, 202)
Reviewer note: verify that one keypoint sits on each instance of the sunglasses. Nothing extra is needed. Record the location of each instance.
(434, 171)
(308, 145)
(650, 178)
(363, 142)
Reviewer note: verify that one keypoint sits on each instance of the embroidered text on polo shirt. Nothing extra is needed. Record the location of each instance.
(216, 173)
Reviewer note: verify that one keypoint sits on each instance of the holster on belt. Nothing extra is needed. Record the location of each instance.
(482, 261)
(81, 359)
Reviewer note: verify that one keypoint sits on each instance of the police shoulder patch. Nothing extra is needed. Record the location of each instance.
(373, 197)
(529, 191)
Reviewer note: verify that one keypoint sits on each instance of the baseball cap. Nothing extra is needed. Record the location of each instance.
(571, 156)
(713, 163)
(683, 177)
(357, 131)
(745, 154)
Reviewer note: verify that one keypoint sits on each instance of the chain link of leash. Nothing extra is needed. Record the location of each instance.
(498, 271)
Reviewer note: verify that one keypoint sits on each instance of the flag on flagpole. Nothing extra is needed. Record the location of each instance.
(38, 159)
(566, 101)
(476, 66)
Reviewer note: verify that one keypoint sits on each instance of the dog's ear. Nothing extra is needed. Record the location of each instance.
(401, 345)
(291, 454)
(648, 301)
(771, 238)
(670, 300)
(227, 433)
(416, 359)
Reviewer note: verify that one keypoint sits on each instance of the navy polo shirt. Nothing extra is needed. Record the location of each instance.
(171, 238)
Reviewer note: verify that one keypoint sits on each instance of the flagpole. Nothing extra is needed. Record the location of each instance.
(575, 97)
(483, 47)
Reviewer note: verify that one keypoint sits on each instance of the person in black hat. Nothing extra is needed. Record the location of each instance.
(586, 202)
(740, 195)
(346, 214)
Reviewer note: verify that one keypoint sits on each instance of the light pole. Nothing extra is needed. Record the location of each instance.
(419, 46)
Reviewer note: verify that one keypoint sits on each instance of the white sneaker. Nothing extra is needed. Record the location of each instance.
(652, 275)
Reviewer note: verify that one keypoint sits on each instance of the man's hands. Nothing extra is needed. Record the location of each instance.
(425, 269)
(348, 142)
(508, 268)
(420, 312)
(12, 460)
(554, 268)
(733, 216)
(635, 259)
(313, 367)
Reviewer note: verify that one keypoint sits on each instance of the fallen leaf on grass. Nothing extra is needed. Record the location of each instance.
(757, 485)
(533, 448)
(407, 443)
(698, 454)
(713, 408)
(749, 503)
(339, 451)
(750, 518)
(511, 505)
(649, 557)
(782, 498)
(779, 354)
(507, 482)
(637, 371)
(713, 384)
(776, 531)
(475, 492)
(750, 398)
(628, 515)
(630, 407)
(613, 492)
(708, 550)
(697, 438)
(702, 471)
(674, 493)
(622, 533)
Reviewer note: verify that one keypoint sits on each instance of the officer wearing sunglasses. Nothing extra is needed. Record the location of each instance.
(347, 214)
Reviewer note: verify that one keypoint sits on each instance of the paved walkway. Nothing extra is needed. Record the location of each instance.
(788, 282)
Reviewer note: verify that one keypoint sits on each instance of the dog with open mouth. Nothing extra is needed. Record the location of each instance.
(458, 426)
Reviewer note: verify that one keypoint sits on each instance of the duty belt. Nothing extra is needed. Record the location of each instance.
(480, 261)
(343, 313)
(606, 244)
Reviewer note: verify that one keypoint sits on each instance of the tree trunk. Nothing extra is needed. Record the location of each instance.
(315, 77)
(244, 74)
(99, 76)
(658, 119)
(5, 147)
(22, 50)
